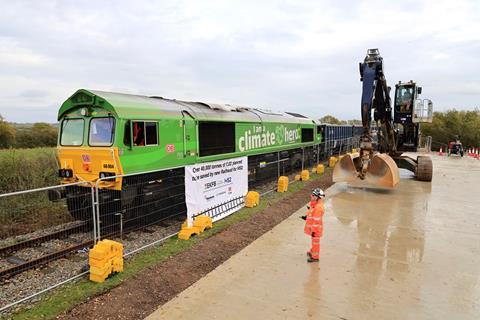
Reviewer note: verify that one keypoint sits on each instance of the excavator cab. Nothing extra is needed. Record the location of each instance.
(408, 107)
(409, 110)
(405, 97)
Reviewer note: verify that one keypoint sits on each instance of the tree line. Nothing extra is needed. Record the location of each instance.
(451, 123)
(38, 135)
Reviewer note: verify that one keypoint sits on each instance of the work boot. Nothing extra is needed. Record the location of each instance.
(309, 254)
(310, 259)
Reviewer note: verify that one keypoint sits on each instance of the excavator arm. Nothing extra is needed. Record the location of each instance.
(372, 164)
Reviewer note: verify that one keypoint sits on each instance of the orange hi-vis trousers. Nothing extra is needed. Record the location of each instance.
(315, 249)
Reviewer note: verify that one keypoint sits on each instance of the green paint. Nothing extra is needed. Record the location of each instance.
(177, 130)
(251, 137)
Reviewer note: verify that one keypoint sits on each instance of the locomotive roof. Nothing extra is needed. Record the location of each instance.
(129, 106)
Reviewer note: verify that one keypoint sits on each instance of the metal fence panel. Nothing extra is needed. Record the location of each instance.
(45, 234)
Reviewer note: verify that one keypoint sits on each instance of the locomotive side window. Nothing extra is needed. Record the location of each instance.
(151, 134)
(126, 137)
(145, 133)
(307, 134)
(72, 132)
(216, 138)
(102, 131)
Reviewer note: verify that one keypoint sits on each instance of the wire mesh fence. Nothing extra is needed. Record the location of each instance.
(42, 225)
(145, 199)
(148, 209)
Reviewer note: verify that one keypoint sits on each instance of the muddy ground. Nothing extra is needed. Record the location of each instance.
(138, 297)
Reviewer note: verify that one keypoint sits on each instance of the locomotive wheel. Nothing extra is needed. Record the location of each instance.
(424, 168)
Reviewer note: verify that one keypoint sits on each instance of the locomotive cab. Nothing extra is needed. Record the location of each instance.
(87, 148)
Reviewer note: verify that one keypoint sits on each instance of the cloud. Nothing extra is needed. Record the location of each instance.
(33, 94)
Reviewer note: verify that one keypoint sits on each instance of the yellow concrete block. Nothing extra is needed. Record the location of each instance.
(116, 248)
(305, 175)
(187, 232)
(202, 223)
(282, 184)
(117, 264)
(320, 169)
(97, 278)
(252, 199)
(97, 263)
(104, 271)
(332, 161)
(297, 177)
(104, 258)
(99, 252)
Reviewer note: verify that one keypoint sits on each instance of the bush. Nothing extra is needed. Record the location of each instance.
(7, 134)
(39, 135)
(27, 169)
(446, 125)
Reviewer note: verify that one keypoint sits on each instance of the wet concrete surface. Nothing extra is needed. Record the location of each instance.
(408, 253)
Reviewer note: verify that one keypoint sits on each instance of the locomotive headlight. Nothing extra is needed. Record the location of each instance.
(84, 112)
(65, 173)
(105, 175)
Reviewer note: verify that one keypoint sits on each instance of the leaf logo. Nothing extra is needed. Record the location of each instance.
(279, 134)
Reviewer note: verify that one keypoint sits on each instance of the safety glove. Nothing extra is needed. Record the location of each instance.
(304, 217)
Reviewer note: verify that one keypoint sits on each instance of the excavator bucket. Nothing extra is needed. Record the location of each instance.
(345, 170)
(382, 171)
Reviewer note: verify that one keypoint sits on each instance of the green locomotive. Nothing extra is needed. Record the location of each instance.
(151, 139)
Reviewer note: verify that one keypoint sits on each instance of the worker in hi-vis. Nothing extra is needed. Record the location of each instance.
(314, 223)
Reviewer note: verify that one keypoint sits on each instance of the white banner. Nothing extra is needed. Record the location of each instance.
(216, 188)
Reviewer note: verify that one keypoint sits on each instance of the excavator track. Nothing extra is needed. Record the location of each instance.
(424, 170)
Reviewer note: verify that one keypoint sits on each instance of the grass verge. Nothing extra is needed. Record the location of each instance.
(68, 296)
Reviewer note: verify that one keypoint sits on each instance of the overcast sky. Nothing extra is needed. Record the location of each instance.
(299, 56)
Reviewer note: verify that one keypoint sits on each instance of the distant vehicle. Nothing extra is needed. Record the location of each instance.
(455, 147)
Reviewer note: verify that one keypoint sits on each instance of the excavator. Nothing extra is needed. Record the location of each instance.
(383, 143)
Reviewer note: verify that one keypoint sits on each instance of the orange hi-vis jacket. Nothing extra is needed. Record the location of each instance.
(314, 223)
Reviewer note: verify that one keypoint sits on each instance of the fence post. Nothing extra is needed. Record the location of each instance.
(278, 164)
(303, 157)
(97, 221)
(94, 216)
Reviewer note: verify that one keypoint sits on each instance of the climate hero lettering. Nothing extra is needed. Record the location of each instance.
(291, 135)
(251, 141)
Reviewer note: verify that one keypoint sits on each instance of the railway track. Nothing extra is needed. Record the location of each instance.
(39, 240)
(47, 258)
